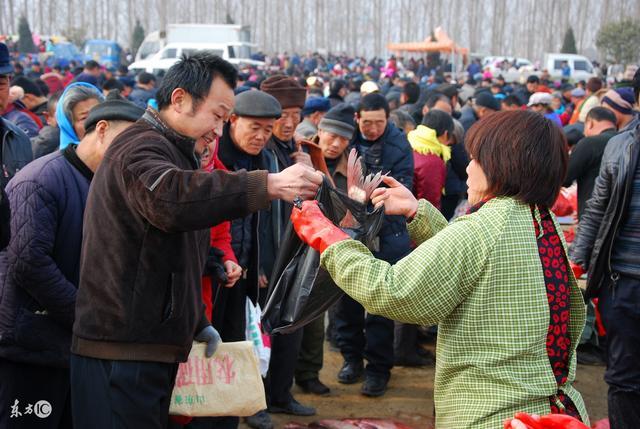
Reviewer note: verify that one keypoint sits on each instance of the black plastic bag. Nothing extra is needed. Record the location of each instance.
(299, 290)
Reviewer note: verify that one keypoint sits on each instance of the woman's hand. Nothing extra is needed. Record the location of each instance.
(234, 271)
(396, 199)
(314, 228)
(263, 281)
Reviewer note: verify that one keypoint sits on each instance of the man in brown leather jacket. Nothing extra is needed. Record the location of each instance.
(147, 218)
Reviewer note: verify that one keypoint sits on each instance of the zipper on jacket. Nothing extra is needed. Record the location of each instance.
(155, 184)
(615, 276)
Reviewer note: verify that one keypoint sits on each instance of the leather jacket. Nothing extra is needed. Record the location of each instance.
(605, 209)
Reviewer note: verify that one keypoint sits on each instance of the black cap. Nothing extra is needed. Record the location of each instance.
(114, 108)
(533, 79)
(29, 86)
(339, 120)
(5, 60)
(486, 99)
(447, 89)
(257, 104)
(566, 87)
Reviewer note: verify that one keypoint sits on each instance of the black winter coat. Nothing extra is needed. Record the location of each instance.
(604, 211)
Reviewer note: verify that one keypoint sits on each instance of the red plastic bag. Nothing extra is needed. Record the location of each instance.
(569, 235)
(567, 202)
(602, 424)
(550, 421)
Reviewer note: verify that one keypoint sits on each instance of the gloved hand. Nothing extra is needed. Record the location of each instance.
(550, 421)
(214, 266)
(210, 336)
(577, 269)
(314, 228)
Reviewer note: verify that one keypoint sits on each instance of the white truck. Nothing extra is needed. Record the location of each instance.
(234, 42)
(171, 53)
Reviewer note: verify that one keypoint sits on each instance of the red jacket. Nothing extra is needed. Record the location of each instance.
(221, 239)
(429, 174)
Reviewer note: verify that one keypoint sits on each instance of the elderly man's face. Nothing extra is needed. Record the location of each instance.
(332, 145)
(285, 127)
(251, 135)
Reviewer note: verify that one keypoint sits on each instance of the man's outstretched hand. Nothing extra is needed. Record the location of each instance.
(299, 180)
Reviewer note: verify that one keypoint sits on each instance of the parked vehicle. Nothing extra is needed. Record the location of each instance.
(239, 35)
(107, 52)
(513, 69)
(581, 67)
(171, 53)
(62, 53)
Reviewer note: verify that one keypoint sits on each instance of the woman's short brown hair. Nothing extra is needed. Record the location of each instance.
(522, 153)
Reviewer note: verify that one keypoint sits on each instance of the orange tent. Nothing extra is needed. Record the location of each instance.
(442, 43)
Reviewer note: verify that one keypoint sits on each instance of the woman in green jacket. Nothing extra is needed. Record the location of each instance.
(496, 281)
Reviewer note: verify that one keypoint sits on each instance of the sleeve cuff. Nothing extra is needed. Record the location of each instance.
(257, 197)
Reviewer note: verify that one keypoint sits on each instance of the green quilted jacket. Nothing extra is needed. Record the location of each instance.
(480, 279)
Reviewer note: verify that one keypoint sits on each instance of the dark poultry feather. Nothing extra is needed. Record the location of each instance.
(359, 187)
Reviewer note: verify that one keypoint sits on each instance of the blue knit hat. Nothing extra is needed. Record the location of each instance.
(316, 104)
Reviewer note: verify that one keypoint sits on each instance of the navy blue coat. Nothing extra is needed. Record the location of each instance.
(391, 154)
(39, 269)
(16, 150)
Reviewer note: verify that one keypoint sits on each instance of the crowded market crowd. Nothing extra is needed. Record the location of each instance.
(141, 213)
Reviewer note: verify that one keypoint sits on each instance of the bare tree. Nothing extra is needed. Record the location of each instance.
(526, 28)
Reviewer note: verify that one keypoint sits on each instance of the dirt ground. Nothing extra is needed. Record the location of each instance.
(410, 396)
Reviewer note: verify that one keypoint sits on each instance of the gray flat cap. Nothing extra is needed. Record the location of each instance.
(257, 104)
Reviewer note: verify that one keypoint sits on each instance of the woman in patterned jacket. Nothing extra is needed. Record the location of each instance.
(497, 281)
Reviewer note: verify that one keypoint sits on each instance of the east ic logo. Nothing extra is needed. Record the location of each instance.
(42, 409)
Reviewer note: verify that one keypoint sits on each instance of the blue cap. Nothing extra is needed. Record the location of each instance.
(127, 81)
(5, 60)
(316, 104)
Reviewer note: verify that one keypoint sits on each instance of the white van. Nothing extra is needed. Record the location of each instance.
(581, 67)
(171, 53)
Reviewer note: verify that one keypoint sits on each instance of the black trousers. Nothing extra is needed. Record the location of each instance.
(109, 394)
(24, 388)
(405, 341)
(311, 351)
(619, 306)
(228, 314)
(284, 354)
(364, 336)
